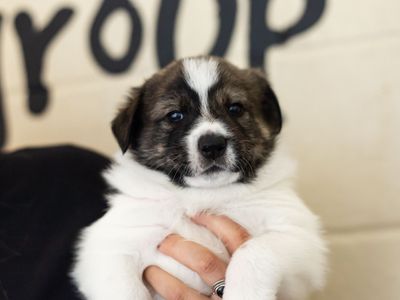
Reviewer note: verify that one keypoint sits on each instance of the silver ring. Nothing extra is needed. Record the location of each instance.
(218, 288)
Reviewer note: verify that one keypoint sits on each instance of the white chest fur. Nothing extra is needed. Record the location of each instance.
(114, 250)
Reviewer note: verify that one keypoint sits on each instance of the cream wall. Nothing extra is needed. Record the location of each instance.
(338, 83)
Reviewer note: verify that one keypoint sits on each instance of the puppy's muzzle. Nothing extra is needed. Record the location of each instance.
(212, 146)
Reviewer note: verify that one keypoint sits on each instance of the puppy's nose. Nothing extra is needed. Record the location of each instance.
(212, 146)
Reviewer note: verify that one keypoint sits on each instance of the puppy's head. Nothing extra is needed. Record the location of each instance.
(201, 121)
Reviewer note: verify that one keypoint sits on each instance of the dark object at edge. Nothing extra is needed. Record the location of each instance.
(47, 195)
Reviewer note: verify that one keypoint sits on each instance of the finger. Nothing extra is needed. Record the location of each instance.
(229, 232)
(194, 256)
(169, 287)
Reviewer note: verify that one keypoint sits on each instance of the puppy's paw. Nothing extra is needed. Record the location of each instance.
(252, 274)
(142, 294)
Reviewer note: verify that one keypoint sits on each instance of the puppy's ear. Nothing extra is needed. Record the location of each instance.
(127, 121)
(271, 110)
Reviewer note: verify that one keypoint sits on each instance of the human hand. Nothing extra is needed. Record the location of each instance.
(196, 257)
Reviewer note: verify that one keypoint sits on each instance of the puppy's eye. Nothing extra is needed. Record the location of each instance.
(235, 109)
(175, 116)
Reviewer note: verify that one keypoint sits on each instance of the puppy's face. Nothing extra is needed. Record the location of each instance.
(202, 122)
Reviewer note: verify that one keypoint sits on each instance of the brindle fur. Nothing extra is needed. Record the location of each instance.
(142, 127)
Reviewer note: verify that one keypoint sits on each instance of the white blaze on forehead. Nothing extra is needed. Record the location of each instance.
(201, 74)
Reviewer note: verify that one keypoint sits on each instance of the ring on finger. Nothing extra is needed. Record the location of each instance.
(218, 288)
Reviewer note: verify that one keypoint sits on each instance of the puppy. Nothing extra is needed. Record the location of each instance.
(201, 136)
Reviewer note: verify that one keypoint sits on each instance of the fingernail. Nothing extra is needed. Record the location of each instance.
(195, 219)
(162, 241)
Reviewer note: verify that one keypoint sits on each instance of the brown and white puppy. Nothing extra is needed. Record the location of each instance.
(201, 116)
(200, 135)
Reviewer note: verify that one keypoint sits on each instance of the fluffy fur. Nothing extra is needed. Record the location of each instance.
(285, 259)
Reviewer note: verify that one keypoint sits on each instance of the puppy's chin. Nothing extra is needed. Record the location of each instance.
(212, 180)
